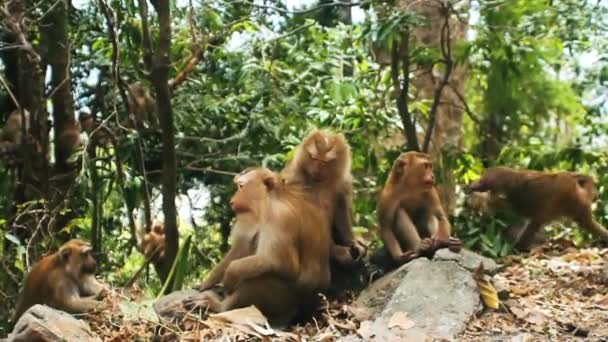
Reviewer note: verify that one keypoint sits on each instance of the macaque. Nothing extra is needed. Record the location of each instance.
(542, 197)
(279, 258)
(143, 106)
(152, 243)
(13, 128)
(411, 219)
(321, 165)
(68, 141)
(64, 280)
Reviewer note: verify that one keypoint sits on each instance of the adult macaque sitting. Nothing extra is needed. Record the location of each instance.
(541, 197)
(321, 165)
(411, 219)
(64, 280)
(279, 258)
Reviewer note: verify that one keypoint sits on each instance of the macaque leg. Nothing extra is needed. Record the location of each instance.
(237, 251)
(407, 233)
(269, 294)
(527, 236)
(257, 265)
(587, 221)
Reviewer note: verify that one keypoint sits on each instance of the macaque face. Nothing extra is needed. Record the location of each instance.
(78, 257)
(253, 186)
(321, 152)
(415, 168)
(587, 188)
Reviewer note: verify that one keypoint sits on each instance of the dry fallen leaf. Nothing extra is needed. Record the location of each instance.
(486, 289)
(400, 319)
(365, 329)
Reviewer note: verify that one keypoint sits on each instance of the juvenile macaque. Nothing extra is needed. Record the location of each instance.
(152, 243)
(321, 165)
(143, 106)
(64, 280)
(68, 141)
(279, 258)
(542, 197)
(13, 128)
(411, 219)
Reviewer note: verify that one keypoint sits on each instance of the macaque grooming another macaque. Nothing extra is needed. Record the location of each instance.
(411, 219)
(542, 197)
(279, 258)
(64, 280)
(321, 165)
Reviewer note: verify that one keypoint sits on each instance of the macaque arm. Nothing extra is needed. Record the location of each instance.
(343, 218)
(91, 287)
(279, 257)
(342, 255)
(237, 251)
(75, 304)
(587, 221)
(481, 185)
(444, 229)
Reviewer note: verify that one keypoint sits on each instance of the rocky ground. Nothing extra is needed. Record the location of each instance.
(555, 292)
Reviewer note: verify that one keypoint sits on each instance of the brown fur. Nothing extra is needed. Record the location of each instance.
(321, 165)
(410, 215)
(542, 197)
(153, 242)
(63, 280)
(279, 258)
(143, 106)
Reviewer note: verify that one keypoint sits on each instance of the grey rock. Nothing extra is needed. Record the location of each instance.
(171, 306)
(435, 299)
(468, 260)
(45, 324)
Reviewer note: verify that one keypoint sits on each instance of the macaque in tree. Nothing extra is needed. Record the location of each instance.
(64, 280)
(411, 219)
(12, 132)
(143, 106)
(542, 197)
(67, 142)
(321, 165)
(279, 257)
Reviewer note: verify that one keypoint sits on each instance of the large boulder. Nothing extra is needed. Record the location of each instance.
(422, 299)
(44, 324)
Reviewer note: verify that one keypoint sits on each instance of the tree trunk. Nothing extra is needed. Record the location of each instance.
(447, 133)
(160, 76)
(55, 34)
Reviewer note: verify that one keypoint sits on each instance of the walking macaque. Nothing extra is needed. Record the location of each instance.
(321, 165)
(64, 280)
(411, 219)
(142, 105)
(542, 197)
(279, 258)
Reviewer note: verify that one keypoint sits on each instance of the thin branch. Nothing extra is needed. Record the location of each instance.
(304, 11)
(465, 105)
(13, 20)
(241, 135)
(401, 90)
(292, 32)
(10, 92)
(209, 170)
(146, 41)
(446, 51)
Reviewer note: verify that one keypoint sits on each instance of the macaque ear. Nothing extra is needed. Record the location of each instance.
(64, 254)
(398, 166)
(270, 182)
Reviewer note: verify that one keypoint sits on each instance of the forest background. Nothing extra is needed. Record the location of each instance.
(238, 84)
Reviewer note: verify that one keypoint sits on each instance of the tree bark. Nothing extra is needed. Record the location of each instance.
(160, 75)
(447, 129)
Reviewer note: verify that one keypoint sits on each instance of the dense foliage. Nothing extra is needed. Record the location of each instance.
(536, 96)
